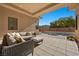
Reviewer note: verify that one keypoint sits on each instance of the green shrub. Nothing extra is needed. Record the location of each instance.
(71, 38)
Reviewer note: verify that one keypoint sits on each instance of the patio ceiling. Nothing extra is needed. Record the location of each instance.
(28, 8)
(31, 8)
(34, 9)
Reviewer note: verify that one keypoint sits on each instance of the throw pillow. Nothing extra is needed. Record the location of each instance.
(13, 34)
(10, 39)
(18, 38)
(28, 34)
(22, 33)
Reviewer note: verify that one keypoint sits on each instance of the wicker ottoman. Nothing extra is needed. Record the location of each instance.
(37, 41)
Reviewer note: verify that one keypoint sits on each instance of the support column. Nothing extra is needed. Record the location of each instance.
(76, 23)
(77, 29)
(76, 7)
(77, 16)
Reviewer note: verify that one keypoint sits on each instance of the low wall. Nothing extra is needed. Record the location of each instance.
(57, 29)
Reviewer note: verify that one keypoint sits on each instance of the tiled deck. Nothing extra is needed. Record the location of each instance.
(56, 46)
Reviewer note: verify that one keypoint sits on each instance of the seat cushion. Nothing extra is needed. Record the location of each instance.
(37, 39)
(26, 37)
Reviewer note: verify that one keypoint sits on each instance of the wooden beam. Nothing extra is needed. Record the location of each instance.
(72, 6)
(77, 10)
(52, 8)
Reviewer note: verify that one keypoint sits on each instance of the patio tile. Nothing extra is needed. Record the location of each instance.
(56, 46)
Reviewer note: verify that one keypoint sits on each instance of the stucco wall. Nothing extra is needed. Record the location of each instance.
(78, 22)
(32, 27)
(1, 21)
(24, 21)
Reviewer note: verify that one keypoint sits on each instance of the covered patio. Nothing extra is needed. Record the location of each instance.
(53, 45)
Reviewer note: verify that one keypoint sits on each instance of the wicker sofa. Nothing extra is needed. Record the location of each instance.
(36, 39)
(19, 49)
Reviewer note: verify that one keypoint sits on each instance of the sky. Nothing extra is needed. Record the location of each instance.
(55, 15)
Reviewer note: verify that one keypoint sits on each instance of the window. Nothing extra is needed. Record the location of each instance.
(12, 23)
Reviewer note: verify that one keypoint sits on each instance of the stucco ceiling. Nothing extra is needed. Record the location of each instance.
(35, 9)
(32, 8)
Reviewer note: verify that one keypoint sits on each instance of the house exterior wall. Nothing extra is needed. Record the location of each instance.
(24, 21)
(32, 27)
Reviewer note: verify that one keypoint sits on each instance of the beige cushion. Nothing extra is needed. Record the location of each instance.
(29, 34)
(13, 38)
(18, 38)
(10, 39)
(13, 34)
(22, 33)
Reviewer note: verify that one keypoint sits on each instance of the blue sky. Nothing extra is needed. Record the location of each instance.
(55, 15)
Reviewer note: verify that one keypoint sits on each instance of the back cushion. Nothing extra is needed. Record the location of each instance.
(18, 38)
(10, 39)
(22, 33)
